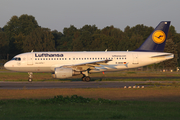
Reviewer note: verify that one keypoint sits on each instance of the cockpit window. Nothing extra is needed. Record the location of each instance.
(17, 59)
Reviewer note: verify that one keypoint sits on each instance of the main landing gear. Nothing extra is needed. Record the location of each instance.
(30, 76)
(85, 76)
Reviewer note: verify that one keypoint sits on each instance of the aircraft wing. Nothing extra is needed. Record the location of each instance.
(88, 65)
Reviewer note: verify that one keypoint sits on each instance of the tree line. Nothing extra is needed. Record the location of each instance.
(23, 34)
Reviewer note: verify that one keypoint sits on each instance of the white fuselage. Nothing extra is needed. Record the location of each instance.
(120, 60)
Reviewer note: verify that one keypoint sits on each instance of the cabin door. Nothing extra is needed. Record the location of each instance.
(30, 59)
(135, 59)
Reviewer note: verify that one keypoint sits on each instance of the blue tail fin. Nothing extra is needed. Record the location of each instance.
(156, 41)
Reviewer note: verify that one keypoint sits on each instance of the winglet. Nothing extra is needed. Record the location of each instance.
(156, 41)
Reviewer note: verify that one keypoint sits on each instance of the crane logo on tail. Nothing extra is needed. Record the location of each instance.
(159, 36)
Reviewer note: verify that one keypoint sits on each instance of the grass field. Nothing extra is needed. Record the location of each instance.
(157, 102)
(161, 101)
(79, 108)
(156, 93)
(125, 76)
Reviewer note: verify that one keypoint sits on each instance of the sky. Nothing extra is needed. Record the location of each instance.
(58, 14)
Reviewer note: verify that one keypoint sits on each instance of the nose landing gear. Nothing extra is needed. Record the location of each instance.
(30, 76)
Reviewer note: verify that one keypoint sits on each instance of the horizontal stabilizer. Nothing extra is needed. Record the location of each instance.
(165, 55)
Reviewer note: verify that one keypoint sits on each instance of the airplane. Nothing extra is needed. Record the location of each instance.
(67, 64)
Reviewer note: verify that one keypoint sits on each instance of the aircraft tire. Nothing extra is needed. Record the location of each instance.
(30, 79)
(87, 79)
(83, 78)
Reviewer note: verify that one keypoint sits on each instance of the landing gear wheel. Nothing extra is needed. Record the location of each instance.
(30, 76)
(30, 79)
(83, 78)
(87, 79)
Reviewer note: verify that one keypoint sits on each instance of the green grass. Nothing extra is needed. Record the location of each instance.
(79, 108)
(125, 76)
(137, 79)
(131, 72)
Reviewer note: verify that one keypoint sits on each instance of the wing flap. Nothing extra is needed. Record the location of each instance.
(89, 65)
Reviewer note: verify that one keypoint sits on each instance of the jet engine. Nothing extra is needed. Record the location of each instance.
(64, 73)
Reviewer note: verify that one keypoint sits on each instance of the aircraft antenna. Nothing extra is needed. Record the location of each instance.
(31, 50)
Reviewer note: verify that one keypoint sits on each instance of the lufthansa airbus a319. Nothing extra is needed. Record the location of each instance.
(67, 64)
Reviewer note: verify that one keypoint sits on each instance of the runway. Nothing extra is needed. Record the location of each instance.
(73, 84)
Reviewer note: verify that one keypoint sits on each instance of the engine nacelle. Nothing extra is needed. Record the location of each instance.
(64, 73)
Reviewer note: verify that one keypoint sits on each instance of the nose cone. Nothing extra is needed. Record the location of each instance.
(7, 65)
